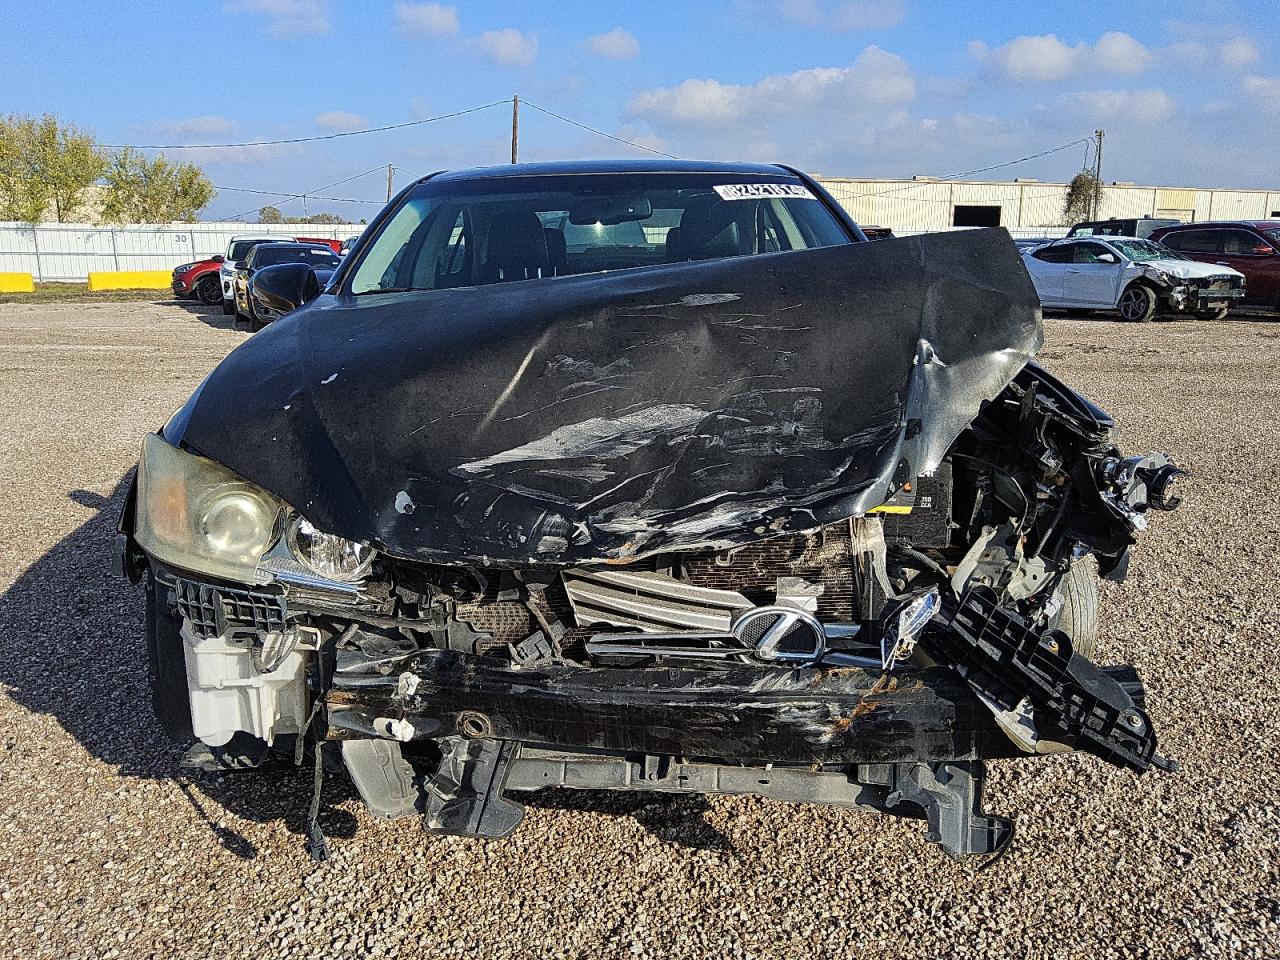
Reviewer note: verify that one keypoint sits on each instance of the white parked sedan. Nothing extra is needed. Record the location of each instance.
(1134, 277)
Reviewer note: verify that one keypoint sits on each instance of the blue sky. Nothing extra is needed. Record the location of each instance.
(1189, 93)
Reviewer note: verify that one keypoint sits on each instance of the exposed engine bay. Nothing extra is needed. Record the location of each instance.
(892, 587)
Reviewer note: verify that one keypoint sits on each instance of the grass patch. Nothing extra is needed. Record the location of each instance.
(80, 293)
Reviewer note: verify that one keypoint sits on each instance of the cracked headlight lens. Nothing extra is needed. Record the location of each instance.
(328, 554)
(197, 515)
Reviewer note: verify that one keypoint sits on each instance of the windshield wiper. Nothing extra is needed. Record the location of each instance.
(390, 290)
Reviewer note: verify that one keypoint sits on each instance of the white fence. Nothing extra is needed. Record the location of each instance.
(69, 251)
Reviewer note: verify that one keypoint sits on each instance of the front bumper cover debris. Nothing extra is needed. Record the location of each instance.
(908, 744)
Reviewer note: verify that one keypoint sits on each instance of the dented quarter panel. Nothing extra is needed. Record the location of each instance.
(606, 416)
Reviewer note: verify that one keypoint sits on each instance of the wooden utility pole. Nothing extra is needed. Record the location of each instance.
(515, 128)
(389, 169)
(1097, 175)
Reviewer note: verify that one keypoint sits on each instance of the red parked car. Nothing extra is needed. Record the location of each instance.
(334, 245)
(198, 281)
(1250, 246)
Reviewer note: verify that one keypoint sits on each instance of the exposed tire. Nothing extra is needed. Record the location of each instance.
(228, 308)
(1215, 313)
(209, 291)
(1078, 616)
(1137, 303)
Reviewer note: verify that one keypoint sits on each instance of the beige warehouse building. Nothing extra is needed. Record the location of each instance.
(1029, 206)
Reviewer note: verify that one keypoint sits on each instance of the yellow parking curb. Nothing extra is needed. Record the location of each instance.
(16, 283)
(130, 280)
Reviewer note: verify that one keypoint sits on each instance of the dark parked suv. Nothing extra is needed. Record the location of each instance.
(1142, 227)
(1250, 246)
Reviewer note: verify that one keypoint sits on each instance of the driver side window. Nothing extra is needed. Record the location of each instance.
(1090, 253)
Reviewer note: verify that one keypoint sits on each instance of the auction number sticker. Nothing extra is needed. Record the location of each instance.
(764, 191)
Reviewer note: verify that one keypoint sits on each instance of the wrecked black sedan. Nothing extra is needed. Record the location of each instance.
(637, 477)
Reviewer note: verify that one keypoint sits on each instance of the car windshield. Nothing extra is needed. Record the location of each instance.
(241, 247)
(474, 232)
(1142, 251)
(316, 256)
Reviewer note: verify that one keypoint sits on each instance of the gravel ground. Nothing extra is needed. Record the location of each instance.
(105, 851)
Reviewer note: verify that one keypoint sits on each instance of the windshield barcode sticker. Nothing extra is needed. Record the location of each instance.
(764, 191)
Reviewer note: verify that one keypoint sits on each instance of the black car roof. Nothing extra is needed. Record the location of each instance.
(564, 168)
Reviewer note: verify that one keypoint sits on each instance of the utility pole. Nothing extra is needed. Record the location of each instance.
(389, 169)
(515, 128)
(1097, 175)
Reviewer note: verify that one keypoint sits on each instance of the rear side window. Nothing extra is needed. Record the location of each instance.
(1194, 241)
(1058, 253)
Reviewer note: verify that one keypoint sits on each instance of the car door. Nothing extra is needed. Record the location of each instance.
(1092, 278)
(1253, 256)
(1048, 269)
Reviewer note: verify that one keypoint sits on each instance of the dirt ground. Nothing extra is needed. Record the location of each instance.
(106, 851)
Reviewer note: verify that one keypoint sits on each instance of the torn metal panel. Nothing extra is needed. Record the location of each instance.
(609, 416)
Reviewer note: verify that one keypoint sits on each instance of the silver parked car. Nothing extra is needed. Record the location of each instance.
(1134, 277)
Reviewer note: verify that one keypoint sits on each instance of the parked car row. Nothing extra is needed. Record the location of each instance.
(211, 281)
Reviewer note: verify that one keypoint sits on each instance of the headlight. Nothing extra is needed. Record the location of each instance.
(198, 515)
(326, 554)
(183, 268)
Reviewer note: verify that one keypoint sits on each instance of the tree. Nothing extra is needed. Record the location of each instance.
(69, 162)
(140, 190)
(23, 194)
(270, 215)
(273, 215)
(45, 168)
(1078, 204)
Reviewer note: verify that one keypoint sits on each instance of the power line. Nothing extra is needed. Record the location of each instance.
(284, 197)
(327, 136)
(599, 133)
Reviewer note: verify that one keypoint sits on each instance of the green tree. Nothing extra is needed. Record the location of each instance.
(139, 190)
(270, 215)
(45, 168)
(1078, 204)
(69, 162)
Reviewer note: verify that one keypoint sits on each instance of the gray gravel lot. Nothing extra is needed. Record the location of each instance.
(105, 851)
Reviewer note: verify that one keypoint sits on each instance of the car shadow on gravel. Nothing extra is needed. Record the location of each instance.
(211, 316)
(72, 647)
(678, 820)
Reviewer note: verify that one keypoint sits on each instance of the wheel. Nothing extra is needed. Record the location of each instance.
(1078, 616)
(255, 322)
(209, 291)
(1137, 303)
(1213, 313)
(228, 308)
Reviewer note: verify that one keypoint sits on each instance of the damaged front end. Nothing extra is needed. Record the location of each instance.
(809, 526)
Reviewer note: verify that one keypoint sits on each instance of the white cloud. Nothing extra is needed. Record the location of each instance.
(1134, 106)
(617, 44)
(509, 47)
(876, 78)
(340, 121)
(422, 21)
(1047, 57)
(846, 16)
(1239, 52)
(1266, 90)
(286, 18)
(191, 128)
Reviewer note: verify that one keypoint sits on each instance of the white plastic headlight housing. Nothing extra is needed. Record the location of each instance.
(326, 554)
(199, 516)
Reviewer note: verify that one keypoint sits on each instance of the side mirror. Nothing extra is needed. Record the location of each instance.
(286, 286)
(1107, 258)
(219, 259)
(1263, 250)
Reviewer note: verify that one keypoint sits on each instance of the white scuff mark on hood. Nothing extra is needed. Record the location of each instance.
(600, 438)
(329, 379)
(404, 504)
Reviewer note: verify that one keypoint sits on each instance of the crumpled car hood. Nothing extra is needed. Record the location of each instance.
(607, 416)
(1191, 269)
